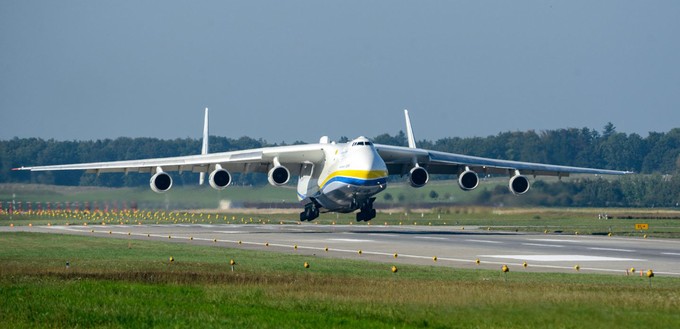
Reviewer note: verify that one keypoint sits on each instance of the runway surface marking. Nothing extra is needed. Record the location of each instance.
(431, 238)
(557, 240)
(350, 240)
(671, 253)
(612, 249)
(483, 241)
(543, 245)
(562, 258)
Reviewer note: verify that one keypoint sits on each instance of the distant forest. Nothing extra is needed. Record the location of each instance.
(657, 156)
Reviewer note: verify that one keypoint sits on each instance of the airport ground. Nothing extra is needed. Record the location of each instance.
(120, 272)
(59, 280)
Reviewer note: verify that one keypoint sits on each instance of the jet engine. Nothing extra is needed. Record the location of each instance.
(418, 177)
(160, 182)
(219, 179)
(468, 180)
(518, 184)
(278, 175)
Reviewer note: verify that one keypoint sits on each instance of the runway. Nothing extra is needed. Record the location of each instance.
(425, 245)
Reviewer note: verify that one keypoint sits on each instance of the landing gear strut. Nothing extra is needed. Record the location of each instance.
(311, 212)
(367, 212)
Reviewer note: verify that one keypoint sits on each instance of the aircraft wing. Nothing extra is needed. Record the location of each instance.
(253, 160)
(400, 160)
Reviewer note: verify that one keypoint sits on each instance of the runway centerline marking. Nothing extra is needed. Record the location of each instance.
(431, 238)
(562, 258)
(350, 240)
(484, 241)
(543, 245)
(556, 240)
(64, 228)
(612, 249)
(671, 253)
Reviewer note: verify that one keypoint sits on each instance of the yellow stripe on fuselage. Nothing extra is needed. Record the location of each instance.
(357, 174)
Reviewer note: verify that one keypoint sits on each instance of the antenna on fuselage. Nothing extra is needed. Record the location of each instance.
(204, 147)
(409, 131)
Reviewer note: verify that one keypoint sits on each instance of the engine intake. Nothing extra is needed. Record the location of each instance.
(279, 175)
(160, 182)
(468, 180)
(418, 177)
(219, 179)
(519, 184)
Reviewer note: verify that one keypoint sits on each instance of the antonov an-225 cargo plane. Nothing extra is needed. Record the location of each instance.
(333, 177)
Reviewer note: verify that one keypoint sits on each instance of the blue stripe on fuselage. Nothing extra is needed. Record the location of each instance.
(356, 181)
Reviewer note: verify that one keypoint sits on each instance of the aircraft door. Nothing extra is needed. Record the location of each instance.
(307, 184)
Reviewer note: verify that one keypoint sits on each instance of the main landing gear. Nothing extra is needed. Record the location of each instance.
(367, 212)
(311, 212)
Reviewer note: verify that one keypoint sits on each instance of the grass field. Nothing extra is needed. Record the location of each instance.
(115, 283)
(206, 197)
(662, 223)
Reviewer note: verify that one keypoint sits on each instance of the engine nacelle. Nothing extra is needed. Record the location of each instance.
(519, 184)
(219, 179)
(418, 177)
(160, 182)
(278, 176)
(468, 180)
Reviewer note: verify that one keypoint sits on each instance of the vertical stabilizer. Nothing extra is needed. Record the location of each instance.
(409, 131)
(204, 147)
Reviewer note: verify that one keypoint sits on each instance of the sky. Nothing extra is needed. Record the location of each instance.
(288, 71)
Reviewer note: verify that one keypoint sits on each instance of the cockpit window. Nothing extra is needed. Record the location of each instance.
(362, 143)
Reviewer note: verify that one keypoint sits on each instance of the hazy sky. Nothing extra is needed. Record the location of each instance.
(296, 70)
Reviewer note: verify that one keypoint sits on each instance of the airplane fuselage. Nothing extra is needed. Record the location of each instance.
(351, 175)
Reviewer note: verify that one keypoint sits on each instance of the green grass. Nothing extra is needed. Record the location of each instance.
(114, 283)
(531, 219)
(194, 196)
(206, 197)
(553, 220)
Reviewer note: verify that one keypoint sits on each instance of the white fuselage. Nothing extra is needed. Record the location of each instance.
(351, 174)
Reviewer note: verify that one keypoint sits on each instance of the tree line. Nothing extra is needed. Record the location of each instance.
(656, 153)
(656, 156)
